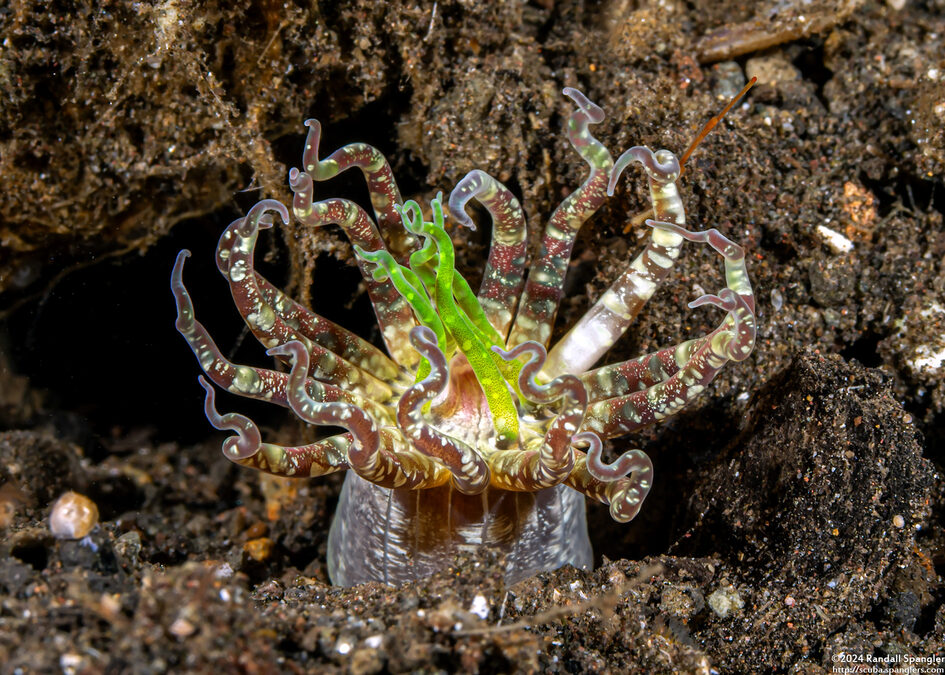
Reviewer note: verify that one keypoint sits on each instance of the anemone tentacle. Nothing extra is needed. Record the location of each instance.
(413, 290)
(312, 326)
(464, 330)
(551, 463)
(620, 379)
(258, 383)
(469, 470)
(248, 449)
(235, 254)
(623, 414)
(539, 305)
(319, 330)
(385, 194)
(372, 455)
(504, 272)
(597, 331)
(624, 495)
(394, 316)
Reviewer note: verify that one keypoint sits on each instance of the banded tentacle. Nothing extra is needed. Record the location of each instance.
(248, 449)
(731, 341)
(394, 316)
(235, 261)
(619, 379)
(539, 305)
(317, 329)
(607, 483)
(504, 272)
(597, 331)
(470, 473)
(376, 457)
(249, 381)
(551, 463)
(385, 195)
(341, 341)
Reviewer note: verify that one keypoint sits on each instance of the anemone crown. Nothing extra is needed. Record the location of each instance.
(466, 406)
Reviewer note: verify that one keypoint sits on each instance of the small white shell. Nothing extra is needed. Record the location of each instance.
(73, 516)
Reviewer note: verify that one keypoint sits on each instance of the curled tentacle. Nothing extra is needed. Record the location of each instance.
(505, 269)
(315, 459)
(235, 253)
(538, 393)
(311, 326)
(742, 315)
(630, 461)
(258, 383)
(354, 419)
(739, 316)
(373, 456)
(544, 288)
(732, 340)
(554, 460)
(394, 316)
(248, 439)
(377, 173)
(662, 166)
(736, 274)
(470, 472)
(625, 495)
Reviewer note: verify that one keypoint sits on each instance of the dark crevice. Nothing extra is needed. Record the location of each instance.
(865, 350)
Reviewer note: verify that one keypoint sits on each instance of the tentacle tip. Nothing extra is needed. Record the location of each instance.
(593, 111)
(423, 334)
(207, 387)
(178, 270)
(612, 184)
(290, 349)
(507, 355)
(312, 122)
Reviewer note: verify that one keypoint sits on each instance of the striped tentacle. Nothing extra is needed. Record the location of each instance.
(235, 261)
(554, 460)
(619, 379)
(372, 455)
(380, 181)
(469, 471)
(258, 383)
(731, 341)
(331, 336)
(394, 315)
(247, 447)
(536, 312)
(596, 332)
(505, 269)
(341, 341)
(607, 483)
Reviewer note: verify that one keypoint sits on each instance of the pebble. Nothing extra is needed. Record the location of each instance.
(73, 516)
(725, 600)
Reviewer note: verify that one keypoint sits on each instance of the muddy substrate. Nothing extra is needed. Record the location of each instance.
(795, 518)
(802, 545)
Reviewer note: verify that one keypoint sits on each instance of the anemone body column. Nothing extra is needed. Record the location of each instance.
(395, 535)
